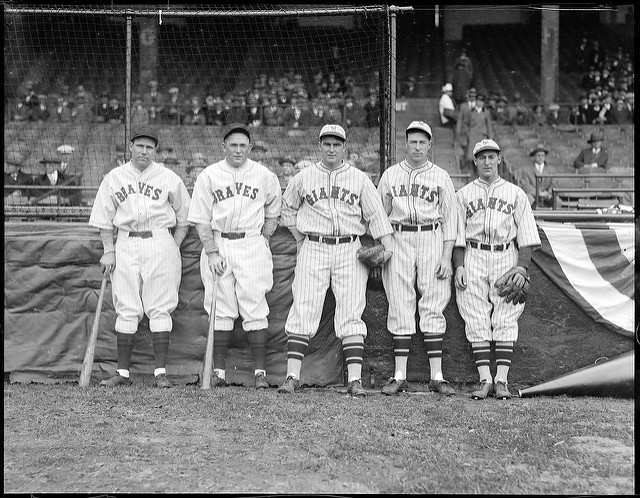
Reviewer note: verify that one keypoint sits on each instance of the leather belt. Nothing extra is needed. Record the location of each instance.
(489, 247)
(415, 228)
(142, 235)
(332, 240)
(233, 235)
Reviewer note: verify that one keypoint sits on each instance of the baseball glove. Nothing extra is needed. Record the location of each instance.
(373, 256)
(514, 285)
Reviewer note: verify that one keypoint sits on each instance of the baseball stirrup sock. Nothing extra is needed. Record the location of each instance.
(353, 354)
(504, 354)
(433, 345)
(125, 348)
(482, 356)
(297, 346)
(221, 341)
(160, 348)
(401, 344)
(257, 339)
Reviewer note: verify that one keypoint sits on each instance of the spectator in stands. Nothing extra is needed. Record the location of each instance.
(194, 115)
(354, 114)
(355, 159)
(139, 114)
(518, 110)
(462, 127)
(172, 162)
(594, 156)
(115, 112)
(40, 113)
(372, 111)
(52, 177)
(620, 113)
(604, 115)
(538, 115)
(629, 97)
(101, 112)
(237, 111)
(254, 111)
(480, 127)
(118, 159)
(173, 109)
(500, 114)
(21, 112)
(13, 175)
(82, 108)
(353, 90)
(553, 116)
(462, 76)
(596, 55)
(447, 108)
(334, 85)
(589, 79)
(583, 113)
(409, 89)
(293, 113)
(526, 179)
(194, 169)
(319, 84)
(288, 165)
(596, 111)
(215, 112)
(63, 110)
(65, 152)
(273, 113)
(154, 101)
(164, 151)
(335, 64)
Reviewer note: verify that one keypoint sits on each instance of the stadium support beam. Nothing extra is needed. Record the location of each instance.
(549, 51)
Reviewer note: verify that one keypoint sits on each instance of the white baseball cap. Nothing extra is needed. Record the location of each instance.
(485, 144)
(420, 125)
(333, 130)
(447, 88)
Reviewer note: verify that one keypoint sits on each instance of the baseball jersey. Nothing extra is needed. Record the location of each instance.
(134, 200)
(333, 203)
(235, 199)
(495, 213)
(419, 196)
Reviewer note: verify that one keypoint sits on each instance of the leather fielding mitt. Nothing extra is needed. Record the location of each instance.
(373, 256)
(514, 285)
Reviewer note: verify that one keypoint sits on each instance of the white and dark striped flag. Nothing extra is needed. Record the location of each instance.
(594, 264)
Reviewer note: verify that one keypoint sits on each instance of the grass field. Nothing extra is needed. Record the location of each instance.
(137, 439)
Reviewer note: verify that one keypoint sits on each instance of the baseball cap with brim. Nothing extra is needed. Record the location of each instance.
(538, 148)
(48, 159)
(420, 126)
(486, 144)
(447, 88)
(13, 157)
(595, 136)
(145, 132)
(236, 127)
(333, 130)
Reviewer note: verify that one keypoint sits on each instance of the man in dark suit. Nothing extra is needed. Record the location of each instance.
(526, 179)
(595, 156)
(52, 178)
(13, 175)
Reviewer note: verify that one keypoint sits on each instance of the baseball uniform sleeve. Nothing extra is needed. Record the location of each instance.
(180, 201)
(291, 201)
(449, 211)
(201, 205)
(373, 211)
(383, 191)
(273, 204)
(527, 228)
(104, 207)
(461, 237)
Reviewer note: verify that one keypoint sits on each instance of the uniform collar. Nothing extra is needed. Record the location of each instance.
(426, 166)
(342, 167)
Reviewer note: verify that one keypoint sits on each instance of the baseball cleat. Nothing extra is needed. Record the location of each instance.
(442, 387)
(217, 381)
(116, 380)
(484, 389)
(355, 389)
(394, 387)
(289, 386)
(502, 392)
(162, 381)
(261, 381)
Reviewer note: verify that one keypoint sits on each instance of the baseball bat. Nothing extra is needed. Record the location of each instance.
(87, 364)
(208, 354)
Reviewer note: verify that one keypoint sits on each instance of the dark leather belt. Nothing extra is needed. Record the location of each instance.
(233, 235)
(142, 235)
(332, 240)
(415, 228)
(489, 247)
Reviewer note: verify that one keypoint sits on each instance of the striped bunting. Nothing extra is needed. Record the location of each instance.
(594, 264)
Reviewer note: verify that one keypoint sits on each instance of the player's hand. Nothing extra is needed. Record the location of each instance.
(217, 263)
(108, 262)
(461, 278)
(444, 269)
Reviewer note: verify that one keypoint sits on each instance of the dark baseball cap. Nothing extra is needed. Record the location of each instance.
(145, 132)
(236, 127)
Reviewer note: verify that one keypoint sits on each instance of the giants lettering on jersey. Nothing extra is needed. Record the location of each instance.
(143, 188)
(337, 192)
(220, 195)
(492, 203)
(422, 191)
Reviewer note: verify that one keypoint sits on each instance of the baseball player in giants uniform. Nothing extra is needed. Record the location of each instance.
(235, 208)
(142, 200)
(326, 206)
(419, 199)
(496, 232)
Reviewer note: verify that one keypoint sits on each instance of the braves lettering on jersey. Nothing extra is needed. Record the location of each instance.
(147, 274)
(417, 197)
(492, 214)
(335, 203)
(233, 200)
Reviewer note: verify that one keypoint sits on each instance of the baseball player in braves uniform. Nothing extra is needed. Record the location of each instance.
(143, 200)
(326, 206)
(496, 232)
(235, 208)
(419, 199)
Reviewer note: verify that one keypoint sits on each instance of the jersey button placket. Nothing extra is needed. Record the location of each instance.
(332, 204)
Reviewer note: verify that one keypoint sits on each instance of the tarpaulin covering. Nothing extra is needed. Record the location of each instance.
(52, 282)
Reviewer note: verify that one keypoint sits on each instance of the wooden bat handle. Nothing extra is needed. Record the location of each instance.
(208, 354)
(87, 364)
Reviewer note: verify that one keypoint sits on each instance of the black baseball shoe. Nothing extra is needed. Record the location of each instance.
(355, 389)
(502, 391)
(289, 386)
(484, 389)
(116, 380)
(442, 387)
(163, 382)
(261, 381)
(394, 387)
